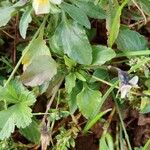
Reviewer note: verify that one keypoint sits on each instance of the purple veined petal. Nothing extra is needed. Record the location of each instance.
(123, 77)
(125, 90)
(133, 81)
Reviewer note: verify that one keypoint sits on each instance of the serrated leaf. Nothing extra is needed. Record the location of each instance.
(15, 92)
(74, 12)
(5, 15)
(41, 70)
(88, 101)
(31, 132)
(75, 43)
(131, 40)
(24, 22)
(38, 48)
(19, 113)
(70, 82)
(102, 54)
(93, 11)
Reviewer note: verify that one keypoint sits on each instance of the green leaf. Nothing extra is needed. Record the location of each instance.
(41, 70)
(113, 22)
(94, 120)
(88, 101)
(72, 97)
(145, 104)
(75, 43)
(147, 144)
(100, 73)
(58, 2)
(131, 40)
(31, 132)
(37, 48)
(70, 82)
(72, 39)
(56, 41)
(5, 15)
(102, 54)
(19, 113)
(106, 142)
(77, 14)
(103, 144)
(24, 22)
(15, 92)
(69, 62)
(80, 76)
(145, 5)
(7, 12)
(93, 11)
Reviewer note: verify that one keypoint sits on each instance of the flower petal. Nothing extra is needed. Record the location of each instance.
(134, 80)
(125, 90)
(41, 6)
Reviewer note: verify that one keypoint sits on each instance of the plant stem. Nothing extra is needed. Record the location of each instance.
(51, 100)
(40, 113)
(106, 82)
(127, 53)
(121, 119)
(107, 94)
(122, 124)
(121, 137)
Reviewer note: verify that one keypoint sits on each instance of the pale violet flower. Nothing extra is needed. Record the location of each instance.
(126, 83)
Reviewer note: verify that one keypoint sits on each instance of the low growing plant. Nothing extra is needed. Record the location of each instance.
(58, 70)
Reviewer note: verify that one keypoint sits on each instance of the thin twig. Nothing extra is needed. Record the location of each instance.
(45, 124)
(145, 20)
(7, 34)
(51, 100)
(136, 23)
